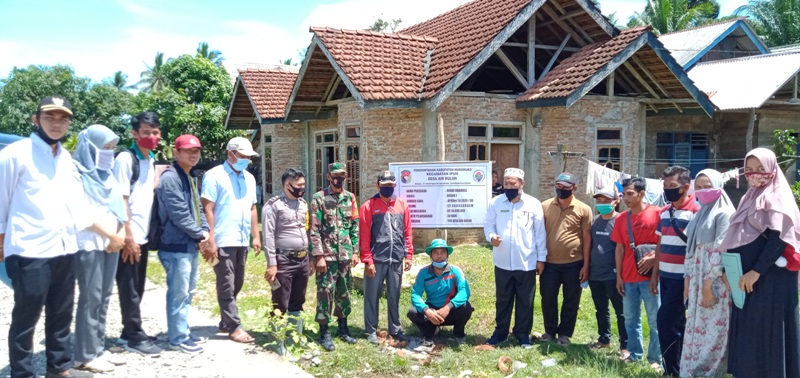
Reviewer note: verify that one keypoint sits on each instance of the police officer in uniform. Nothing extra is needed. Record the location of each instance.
(285, 225)
(334, 242)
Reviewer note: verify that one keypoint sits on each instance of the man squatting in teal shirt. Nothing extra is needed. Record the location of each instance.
(446, 296)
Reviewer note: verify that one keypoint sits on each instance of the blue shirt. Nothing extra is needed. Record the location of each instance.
(450, 288)
(234, 196)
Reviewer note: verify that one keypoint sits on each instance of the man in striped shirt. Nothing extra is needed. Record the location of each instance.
(670, 254)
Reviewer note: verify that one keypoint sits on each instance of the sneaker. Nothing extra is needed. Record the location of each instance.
(113, 358)
(546, 338)
(564, 341)
(399, 337)
(188, 346)
(121, 341)
(96, 366)
(198, 339)
(427, 343)
(145, 348)
(71, 373)
(524, 342)
(460, 340)
(494, 340)
(373, 339)
(598, 345)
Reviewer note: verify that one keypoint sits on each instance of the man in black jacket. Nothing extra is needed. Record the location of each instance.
(185, 233)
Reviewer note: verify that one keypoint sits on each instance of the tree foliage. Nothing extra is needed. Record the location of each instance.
(215, 56)
(153, 79)
(194, 101)
(667, 16)
(385, 26)
(777, 22)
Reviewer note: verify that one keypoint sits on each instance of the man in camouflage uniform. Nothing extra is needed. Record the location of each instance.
(334, 242)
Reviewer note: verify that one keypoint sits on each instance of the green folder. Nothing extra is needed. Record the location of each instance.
(733, 270)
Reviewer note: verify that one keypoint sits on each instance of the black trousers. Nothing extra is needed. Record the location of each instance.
(555, 277)
(230, 278)
(41, 283)
(514, 288)
(458, 318)
(602, 293)
(671, 324)
(293, 276)
(130, 285)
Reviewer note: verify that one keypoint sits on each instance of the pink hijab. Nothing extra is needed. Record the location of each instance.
(770, 206)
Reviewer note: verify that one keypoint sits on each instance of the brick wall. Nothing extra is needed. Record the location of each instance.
(576, 128)
(287, 151)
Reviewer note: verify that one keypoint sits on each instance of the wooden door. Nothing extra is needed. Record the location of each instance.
(504, 156)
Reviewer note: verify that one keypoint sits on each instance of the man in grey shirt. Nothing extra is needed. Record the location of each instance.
(285, 226)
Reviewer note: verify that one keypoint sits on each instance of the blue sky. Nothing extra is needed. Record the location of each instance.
(99, 37)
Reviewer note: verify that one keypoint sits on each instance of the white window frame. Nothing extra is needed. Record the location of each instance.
(489, 139)
(610, 143)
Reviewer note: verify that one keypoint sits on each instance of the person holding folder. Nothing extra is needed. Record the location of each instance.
(707, 296)
(764, 333)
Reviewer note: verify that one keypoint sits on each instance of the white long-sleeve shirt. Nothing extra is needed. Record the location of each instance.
(42, 203)
(521, 229)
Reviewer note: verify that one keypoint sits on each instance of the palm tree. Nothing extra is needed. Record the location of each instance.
(776, 21)
(667, 16)
(215, 56)
(119, 80)
(153, 78)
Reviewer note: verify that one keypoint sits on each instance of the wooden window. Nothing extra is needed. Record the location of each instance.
(609, 148)
(324, 154)
(353, 160)
(498, 142)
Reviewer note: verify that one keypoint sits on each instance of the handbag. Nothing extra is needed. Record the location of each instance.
(640, 251)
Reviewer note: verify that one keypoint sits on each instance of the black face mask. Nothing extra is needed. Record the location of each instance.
(296, 192)
(386, 191)
(337, 182)
(673, 195)
(563, 193)
(511, 193)
(46, 138)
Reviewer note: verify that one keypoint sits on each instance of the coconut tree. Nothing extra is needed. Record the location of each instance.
(667, 16)
(215, 56)
(153, 79)
(776, 21)
(119, 80)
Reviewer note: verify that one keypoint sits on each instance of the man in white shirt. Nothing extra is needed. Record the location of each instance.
(136, 174)
(42, 208)
(229, 202)
(514, 225)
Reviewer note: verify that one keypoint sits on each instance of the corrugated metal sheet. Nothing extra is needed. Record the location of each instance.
(686, 44)
(745, 83)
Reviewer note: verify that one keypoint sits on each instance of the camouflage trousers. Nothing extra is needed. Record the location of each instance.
(333, 287)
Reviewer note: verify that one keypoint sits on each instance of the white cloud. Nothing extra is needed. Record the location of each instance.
(360, 14)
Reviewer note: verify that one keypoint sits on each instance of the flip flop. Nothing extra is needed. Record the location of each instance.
(240, 336)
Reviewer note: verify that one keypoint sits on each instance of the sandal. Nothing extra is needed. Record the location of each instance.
(598, 345)
(240, 336)
(624, 354)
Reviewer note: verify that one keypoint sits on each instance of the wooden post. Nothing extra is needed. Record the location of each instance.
(610, 85)
(751, 124)
(531, 50)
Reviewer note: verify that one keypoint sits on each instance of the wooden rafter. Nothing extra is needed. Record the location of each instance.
(562, 24)
(511, 67)
(328, 91)
(653, 79)
(610, 84)
(640, 79)
(555, 56)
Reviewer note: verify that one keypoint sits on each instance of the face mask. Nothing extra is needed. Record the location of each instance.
(706, 196)
(148, 143)
(241, 164)
(46, 138)
(604, 208)
(105, 160)
(439, 265)
(673, 195)
(511, 193)
(337, 182)
(758, 179)
(387, 192)
(296, 192)
(564, 193)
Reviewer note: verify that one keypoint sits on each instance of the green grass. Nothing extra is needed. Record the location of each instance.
(365, 360)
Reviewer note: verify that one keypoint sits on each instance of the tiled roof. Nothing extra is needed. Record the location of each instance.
(381, 66)
(269, 90)
(462, 33)
(570, 74)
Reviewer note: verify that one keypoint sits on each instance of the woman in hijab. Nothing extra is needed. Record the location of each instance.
(97, 267)
(708, 298)
(764, 333)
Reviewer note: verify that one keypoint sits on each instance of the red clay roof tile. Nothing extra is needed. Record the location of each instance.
(269, 90)
(570, 74)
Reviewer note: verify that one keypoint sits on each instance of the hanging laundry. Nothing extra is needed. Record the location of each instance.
(599, 177)
(654, 193)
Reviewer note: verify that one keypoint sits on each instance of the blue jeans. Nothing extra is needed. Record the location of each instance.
(635, 294)
(181, 271)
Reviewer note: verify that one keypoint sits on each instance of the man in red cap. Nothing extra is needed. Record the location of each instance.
(185, 233)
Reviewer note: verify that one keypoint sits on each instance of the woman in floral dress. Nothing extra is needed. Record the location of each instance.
(708, 298)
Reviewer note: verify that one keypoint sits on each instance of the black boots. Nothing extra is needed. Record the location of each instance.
(344, 332)
(325, 338)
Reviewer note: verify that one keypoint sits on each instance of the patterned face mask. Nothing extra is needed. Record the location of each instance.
(758, 179)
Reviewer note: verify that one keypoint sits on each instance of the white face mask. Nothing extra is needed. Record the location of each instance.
(105, 160)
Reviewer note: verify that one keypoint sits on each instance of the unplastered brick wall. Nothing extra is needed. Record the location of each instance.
(576, 128)
(286, 149)
(457, 111)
